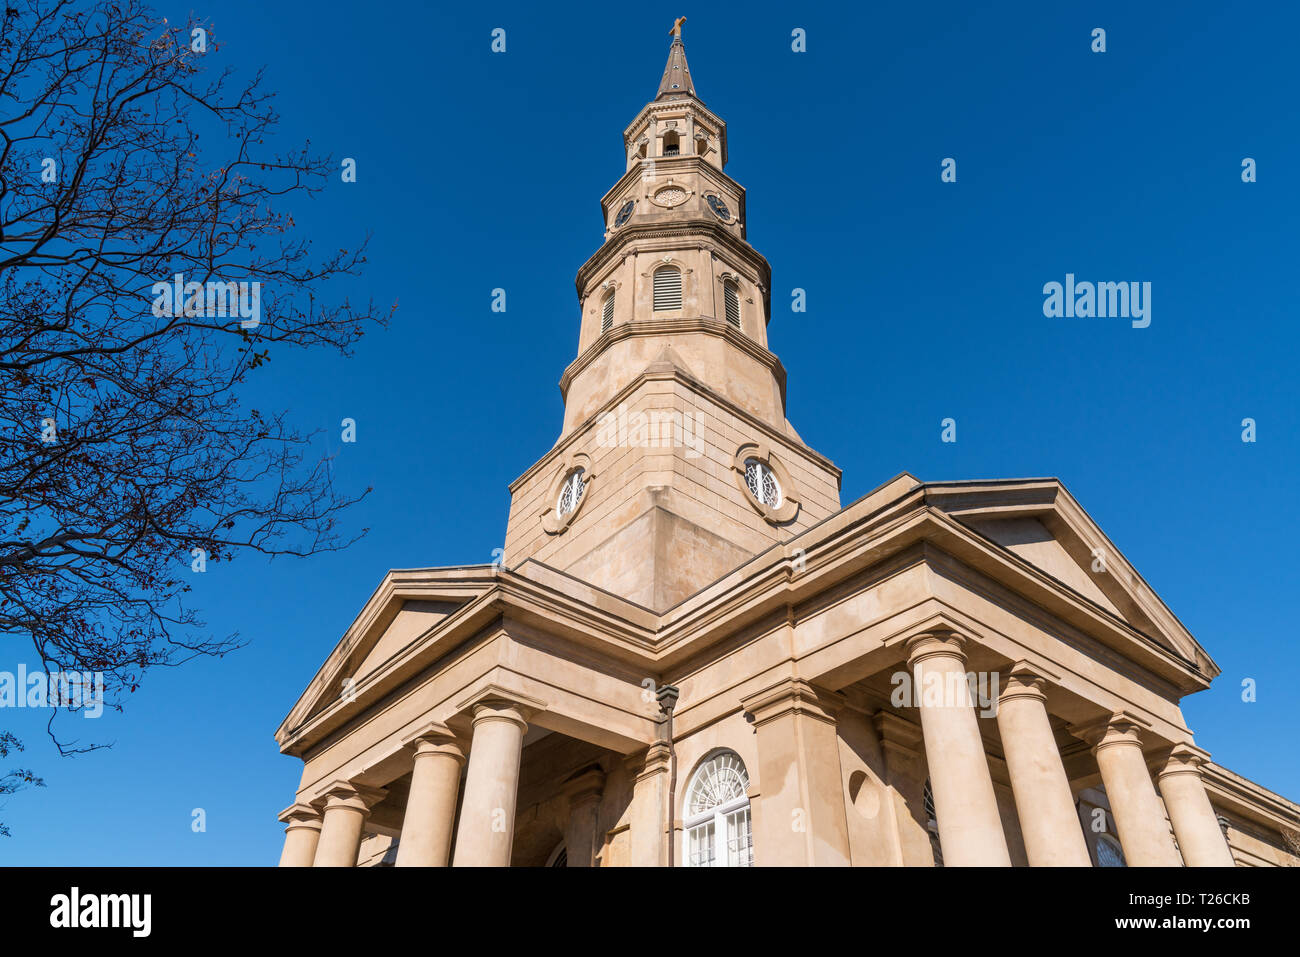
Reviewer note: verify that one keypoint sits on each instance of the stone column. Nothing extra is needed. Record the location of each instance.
(431, 805)
(584, 791)
(301, 836)
(648, 815)
(1195, 824)
(803, 821)
(970, 827)
(487, 815)
(347, 806)
(1049, 823)
(1139, 816)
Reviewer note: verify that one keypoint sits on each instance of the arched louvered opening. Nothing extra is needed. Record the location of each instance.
(607, 313)
(672, 143)
(731, 302)
(668, 289)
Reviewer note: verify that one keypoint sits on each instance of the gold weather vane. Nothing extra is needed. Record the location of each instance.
(676, 31)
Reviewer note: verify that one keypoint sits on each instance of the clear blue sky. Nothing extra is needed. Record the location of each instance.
(479, 171)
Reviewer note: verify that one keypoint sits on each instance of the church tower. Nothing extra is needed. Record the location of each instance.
(675, 461)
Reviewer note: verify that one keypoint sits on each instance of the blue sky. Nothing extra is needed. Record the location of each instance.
(479, 170)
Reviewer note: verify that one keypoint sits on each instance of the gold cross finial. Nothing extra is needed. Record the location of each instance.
(676, 31)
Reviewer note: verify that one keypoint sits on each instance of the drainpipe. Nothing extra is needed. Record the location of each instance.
(667, 697)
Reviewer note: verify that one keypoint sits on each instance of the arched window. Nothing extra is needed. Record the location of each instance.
(668, 289)
(762, 483)
(559, 857)
(932, 823)
(1109, 853)
(731, 301)
(570, 494)
(672, 144)
(717, 829)
(607, 313)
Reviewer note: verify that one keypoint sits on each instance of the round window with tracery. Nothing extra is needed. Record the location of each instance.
(570, 494)
(762, 483)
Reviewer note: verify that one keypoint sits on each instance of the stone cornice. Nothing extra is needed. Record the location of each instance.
(1245, 797)
(866, 534)
(767, 584)
(691, 232)
(1050, 501)
(642, 328)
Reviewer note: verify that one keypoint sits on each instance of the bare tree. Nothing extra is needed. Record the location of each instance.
(130, 166)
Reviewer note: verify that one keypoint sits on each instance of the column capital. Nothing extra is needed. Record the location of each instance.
(653, 760)
(301, 815)
(1023, 680)
(1184, 758)
(933, 643)
(585, 785)
(434, 737)
(1119, 727)
(792, 696)
(348, 794)
(494, 702)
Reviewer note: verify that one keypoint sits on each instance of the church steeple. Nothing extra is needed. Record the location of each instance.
(675, 461)
(677, 75)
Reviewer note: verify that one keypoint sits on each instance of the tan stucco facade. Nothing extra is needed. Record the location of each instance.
(692, 654)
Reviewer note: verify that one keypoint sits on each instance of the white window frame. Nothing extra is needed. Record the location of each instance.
(719, 817)
(568, 489)
(764, 470)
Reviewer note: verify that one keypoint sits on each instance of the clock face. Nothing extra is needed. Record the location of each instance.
(625, 213)
(719, 207)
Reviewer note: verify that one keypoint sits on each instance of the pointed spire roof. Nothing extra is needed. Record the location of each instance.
(677, 75)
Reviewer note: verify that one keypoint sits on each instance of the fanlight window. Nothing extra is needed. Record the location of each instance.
(731, 302)
(607, 313)
(668, 288)
(718, 832)
(570, 494)
(762, 483)
(1109, 853)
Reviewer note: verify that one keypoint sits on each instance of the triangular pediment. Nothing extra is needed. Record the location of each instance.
(407, 606)
(1040, 522)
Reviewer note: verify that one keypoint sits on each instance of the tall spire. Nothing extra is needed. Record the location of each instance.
(677, 75)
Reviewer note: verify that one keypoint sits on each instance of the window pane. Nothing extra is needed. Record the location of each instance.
(700, 844)
(740, 841)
